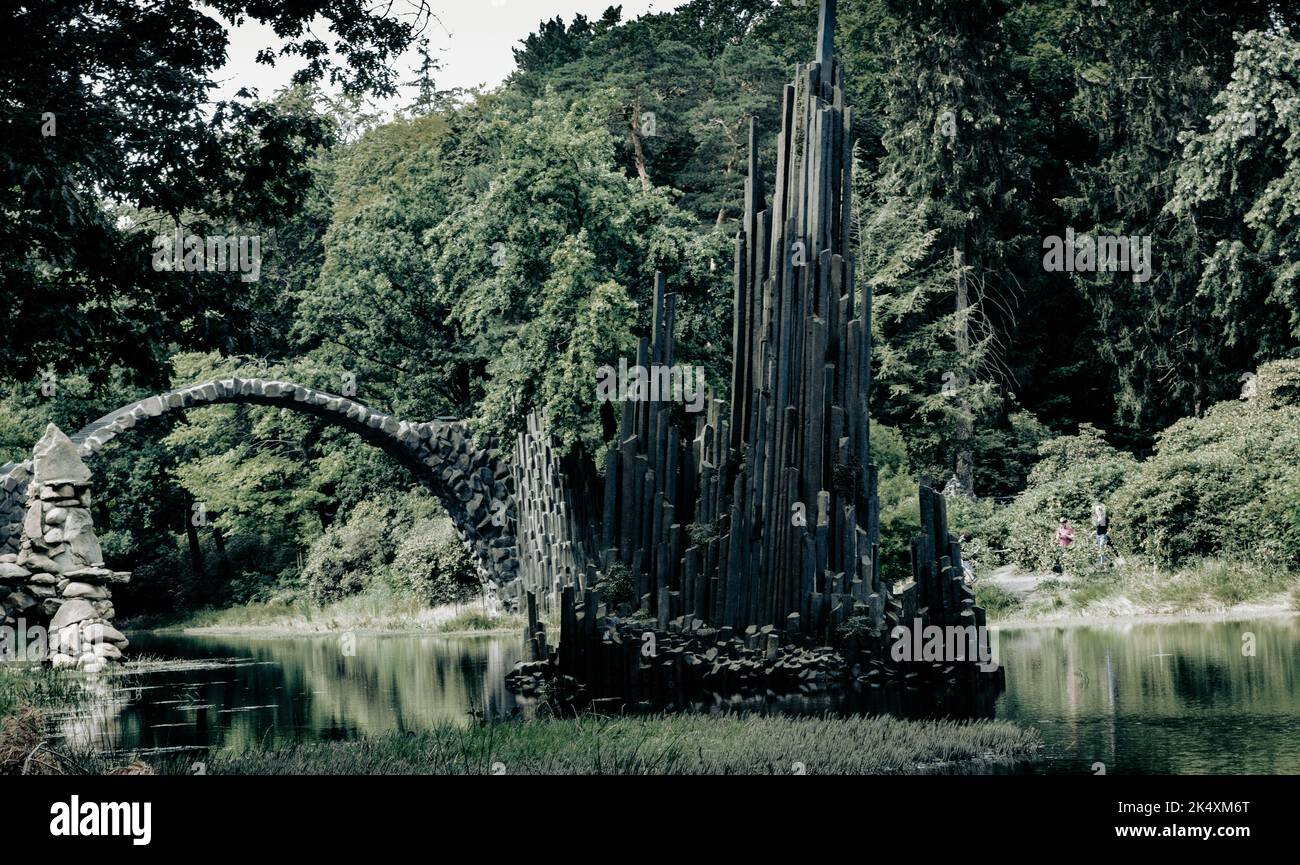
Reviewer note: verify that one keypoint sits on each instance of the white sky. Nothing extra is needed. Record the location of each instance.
(472, 39)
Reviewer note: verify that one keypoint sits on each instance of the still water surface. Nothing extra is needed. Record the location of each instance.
(1166, 698)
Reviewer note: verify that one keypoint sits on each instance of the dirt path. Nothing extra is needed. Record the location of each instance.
(1024, 585)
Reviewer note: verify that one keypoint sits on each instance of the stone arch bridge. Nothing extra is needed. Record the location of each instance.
(473, 482)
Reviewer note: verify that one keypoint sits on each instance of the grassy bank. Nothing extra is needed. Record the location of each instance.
(366, 612)
(659, 745)
(1139, 590)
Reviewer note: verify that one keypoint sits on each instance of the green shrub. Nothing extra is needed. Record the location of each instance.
(616, 585)
(1073, 473)
(900, 510)
(1224, 484)
(433, 565)
(996, 601)
(343, 560)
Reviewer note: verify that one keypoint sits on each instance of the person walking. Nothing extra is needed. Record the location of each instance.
(1101, 522)
(1064, 537)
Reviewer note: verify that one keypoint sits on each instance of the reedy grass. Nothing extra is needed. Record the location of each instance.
(685, 744)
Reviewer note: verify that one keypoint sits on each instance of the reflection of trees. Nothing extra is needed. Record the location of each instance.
(310, 689)
(1201, 704)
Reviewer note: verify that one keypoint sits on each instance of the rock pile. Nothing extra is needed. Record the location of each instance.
(58, 575)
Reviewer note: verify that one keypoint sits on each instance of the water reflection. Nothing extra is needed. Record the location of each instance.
(240, 691)
(1177, 698)
(1166, 698)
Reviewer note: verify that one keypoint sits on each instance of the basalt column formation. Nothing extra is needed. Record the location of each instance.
(739, 546)
(769, 516)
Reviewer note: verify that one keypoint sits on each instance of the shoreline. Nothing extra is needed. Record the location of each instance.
(1274, 608)
(283, 631)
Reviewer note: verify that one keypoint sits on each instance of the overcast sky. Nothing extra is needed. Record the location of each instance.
(472, 39)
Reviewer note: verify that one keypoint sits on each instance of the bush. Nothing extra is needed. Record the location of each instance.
(344, 559)
(900, 509)
(433, 565)
(1219, 486)
(1224, 484)
(616, 585)
(995, 600)
(1073, 473)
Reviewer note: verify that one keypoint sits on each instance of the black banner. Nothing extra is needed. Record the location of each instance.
(223, 815)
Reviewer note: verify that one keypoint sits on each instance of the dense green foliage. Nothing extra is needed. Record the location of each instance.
(1220, 486)
(482, 254)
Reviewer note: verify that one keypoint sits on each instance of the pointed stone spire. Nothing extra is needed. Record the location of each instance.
(56, 461)
(826, 35)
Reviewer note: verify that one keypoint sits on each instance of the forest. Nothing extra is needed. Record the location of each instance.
(482, 253)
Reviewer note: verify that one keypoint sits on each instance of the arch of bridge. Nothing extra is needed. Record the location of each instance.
(472, 481)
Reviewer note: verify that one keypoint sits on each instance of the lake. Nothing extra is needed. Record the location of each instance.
(1143, 698)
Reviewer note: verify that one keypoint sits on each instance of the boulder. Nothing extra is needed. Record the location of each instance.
(71, 612)
(101, 633)
(32, 522)
(68, 640)
(19, 601)
(76, 521)
(96, 575)
(10, 571)
(87, 591)
(55, 460)
(37, 562)
(107, 650)
(84, 549)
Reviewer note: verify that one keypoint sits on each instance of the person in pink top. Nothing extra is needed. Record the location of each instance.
(1064, 537)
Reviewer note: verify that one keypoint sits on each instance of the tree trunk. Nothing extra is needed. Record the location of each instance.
(965, 468)
(638, 152)
(220, 541)
(192, 535)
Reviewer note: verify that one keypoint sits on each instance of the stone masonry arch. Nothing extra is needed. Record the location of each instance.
(472, 481)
